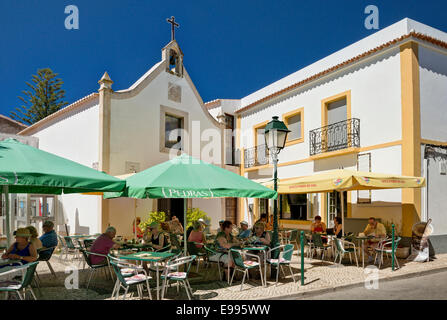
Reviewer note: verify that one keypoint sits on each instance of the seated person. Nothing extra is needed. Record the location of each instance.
(157, 239)
(338, 228)
(263, 218)
(262, 237)
(102, 245)
(376, 230)
(197, 234)
(220, 226)
(244, 232)
(22, 249)
(139, 232)
(318, 226)
(34, 237)
(224, 242)
(48, 239)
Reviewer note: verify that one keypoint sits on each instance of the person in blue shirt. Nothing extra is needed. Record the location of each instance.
(48, 239)
(244, 232)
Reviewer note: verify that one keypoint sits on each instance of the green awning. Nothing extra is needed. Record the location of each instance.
(26, 169)
(187, 177)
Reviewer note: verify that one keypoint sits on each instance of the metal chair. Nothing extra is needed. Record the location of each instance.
(193, 250)
(284, 259)
(94, 267)
(292, 237)
(385, 246)
(71, 248)
(243, 265)
(14, 286)
(210, 252)
(343, 247)
(317, 243)
(172, 273)
(127, 275)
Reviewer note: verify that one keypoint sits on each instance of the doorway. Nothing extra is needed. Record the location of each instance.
(334, 206)
(172, 207)
(230, 209)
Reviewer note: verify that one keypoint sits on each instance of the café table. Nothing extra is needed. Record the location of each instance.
(7, 269)
(361, 240)
(149, 256)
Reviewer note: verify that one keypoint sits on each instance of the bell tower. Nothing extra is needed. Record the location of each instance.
(171, 53)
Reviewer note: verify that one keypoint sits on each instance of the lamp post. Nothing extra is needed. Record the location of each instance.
(275, 134)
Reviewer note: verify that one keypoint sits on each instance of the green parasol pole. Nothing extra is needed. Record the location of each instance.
(302, 257)
(393, 248)
(185, 241)
(7, 215)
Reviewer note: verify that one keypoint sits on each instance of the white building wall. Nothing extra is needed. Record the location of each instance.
(433, 91)
(76, 137)
(135, 137)
(375, 100)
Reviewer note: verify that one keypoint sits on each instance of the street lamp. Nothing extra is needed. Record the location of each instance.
(275, 134)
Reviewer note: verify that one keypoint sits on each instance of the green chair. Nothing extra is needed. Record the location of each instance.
(385, 246)
(127, 275)
(94, 267)
(193, 250)
(14, 286)
(293, 237)
(175, 243)
(343, 247)
(71, 248)
(244, 266)
(172, 273)
(284, 259)
(210, 251)
(317, 243)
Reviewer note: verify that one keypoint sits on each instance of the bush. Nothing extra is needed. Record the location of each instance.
(388, 227)
(195, 214)
(155, 216)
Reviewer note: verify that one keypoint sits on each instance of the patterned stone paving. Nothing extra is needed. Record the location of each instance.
(319, 276)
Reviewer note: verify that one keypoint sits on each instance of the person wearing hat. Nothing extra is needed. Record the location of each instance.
(157, 238)
(244, 232)
(22, 249)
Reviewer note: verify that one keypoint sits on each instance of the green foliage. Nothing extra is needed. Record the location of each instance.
(388, 226)
(44, 97)
(155, 216)
(195, 214)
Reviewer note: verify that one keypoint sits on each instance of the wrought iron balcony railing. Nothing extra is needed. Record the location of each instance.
(256, 156)
(336, 136)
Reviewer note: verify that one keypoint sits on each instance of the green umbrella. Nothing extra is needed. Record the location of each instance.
(187, 177)
(25, 169)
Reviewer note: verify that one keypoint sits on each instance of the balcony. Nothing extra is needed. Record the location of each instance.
(340, 135)
(256, 156)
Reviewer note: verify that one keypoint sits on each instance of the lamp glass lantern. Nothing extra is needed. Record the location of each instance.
(275, 134)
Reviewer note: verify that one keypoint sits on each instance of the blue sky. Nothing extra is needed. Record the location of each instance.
(231, 48)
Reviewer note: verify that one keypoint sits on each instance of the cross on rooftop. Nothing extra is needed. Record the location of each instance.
(173, 26)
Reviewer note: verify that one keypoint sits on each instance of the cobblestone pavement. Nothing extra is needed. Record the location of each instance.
(319, 277)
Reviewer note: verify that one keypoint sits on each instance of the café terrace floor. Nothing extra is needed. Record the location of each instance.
(319, 277)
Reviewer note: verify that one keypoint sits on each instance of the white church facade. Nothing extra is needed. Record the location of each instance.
(377, 105)
(127, 131)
